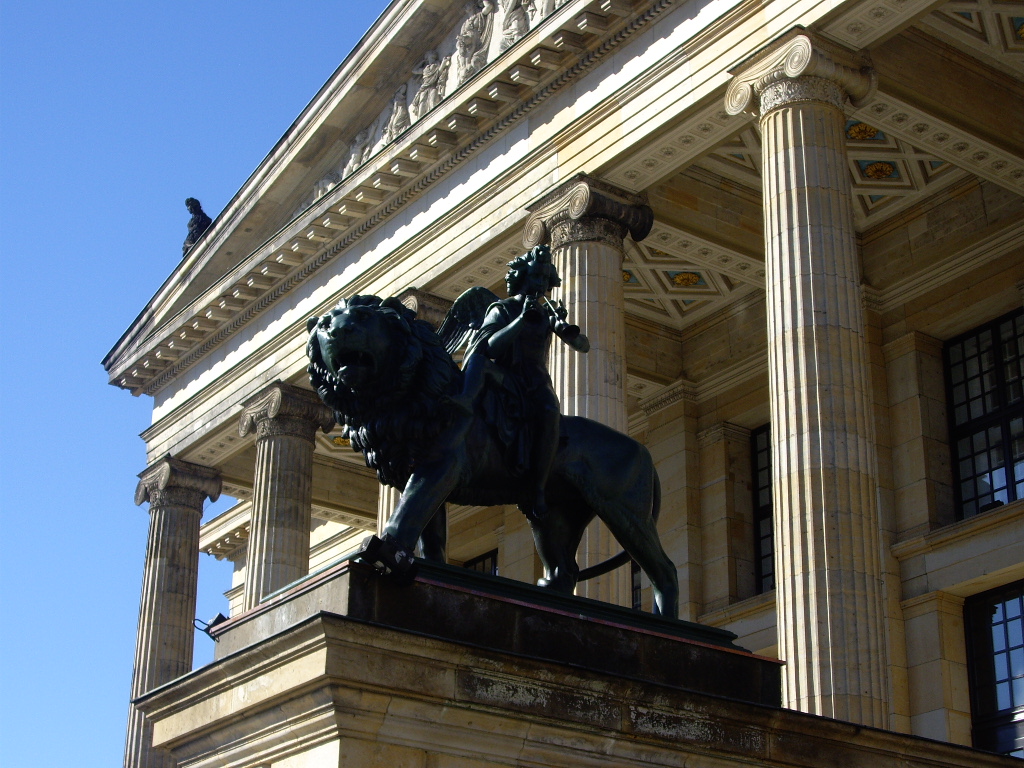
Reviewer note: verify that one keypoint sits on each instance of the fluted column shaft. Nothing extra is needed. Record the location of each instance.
(285, 419)
(829, 598)
(176, 491)
(592, 384)
(585, 221)
(387, 501)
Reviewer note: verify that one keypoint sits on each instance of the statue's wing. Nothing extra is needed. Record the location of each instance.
(465, 318)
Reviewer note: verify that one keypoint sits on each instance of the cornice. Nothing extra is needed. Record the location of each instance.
(723, 430)
(344, 80)
(427, 152)
(225, 534)
(930, 602)
(915, 341)
(957, 265)
(680, 391)
(1009, 516)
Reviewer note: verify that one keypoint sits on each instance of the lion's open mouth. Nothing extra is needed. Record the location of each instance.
(352, 358)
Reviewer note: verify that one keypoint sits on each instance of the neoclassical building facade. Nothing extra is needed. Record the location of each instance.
(819, 337)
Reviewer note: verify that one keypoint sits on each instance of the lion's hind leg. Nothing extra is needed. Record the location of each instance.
(557, 538)
(638, 535)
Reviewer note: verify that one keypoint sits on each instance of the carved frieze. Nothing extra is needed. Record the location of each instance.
(433, 75)
(307, 245)
(473, 39)
(398, 120)
(584, 208)
(515, 24)
(358, 152)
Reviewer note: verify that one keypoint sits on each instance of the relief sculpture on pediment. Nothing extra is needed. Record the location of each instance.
(473, 39)
(516, 22)
(398, 122)
(358, 152)
(433, 74)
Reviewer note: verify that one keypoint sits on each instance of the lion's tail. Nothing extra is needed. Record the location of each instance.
(622, 558)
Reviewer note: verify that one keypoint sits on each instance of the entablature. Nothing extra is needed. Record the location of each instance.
(561, 48)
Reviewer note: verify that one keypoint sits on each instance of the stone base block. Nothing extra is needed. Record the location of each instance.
(346, 669)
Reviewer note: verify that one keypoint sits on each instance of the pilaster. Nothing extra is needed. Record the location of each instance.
(830, 605)
(726, 510)
(285, 420)
(585, 220)
(175, 491)
(940, 706)
(923, 494)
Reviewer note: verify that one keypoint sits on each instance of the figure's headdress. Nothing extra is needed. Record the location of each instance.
(537, 258)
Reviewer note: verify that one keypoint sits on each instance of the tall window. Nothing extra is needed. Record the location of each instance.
(761, 464)
(985, 373)
(485, 563)
(995, 638)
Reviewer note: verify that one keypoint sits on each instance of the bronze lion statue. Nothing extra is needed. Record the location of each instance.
(391, 381)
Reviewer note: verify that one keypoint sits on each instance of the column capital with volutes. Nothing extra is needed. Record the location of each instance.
(174, 481)
(283, 409)
(800, 67)
(583, 209)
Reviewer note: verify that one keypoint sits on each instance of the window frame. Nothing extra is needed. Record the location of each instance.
(1001, 416)
(764, 582)
(481, 560)
(992, 729)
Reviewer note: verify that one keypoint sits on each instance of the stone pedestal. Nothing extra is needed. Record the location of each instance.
(285, 419)
(458, 670)
(585, 220)
(828, 567)
(175, 491)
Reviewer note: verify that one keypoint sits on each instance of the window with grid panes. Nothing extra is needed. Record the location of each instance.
(636, 586)
(485, 563)
(985, 379)
(764, 547)
(995, 637)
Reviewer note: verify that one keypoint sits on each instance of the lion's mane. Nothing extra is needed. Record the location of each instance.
(394, 422)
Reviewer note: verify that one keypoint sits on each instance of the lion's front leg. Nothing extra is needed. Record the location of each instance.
(428, 488)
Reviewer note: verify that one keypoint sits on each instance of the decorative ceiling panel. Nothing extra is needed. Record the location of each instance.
(886, 173)
(672, 288)
(992, 29)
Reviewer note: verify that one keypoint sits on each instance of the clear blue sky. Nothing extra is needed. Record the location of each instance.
(111, 114)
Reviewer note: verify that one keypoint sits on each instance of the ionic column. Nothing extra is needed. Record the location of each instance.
(828, 572)
(387, 501)
(285, 419)
(585, 220)
(175, 491)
